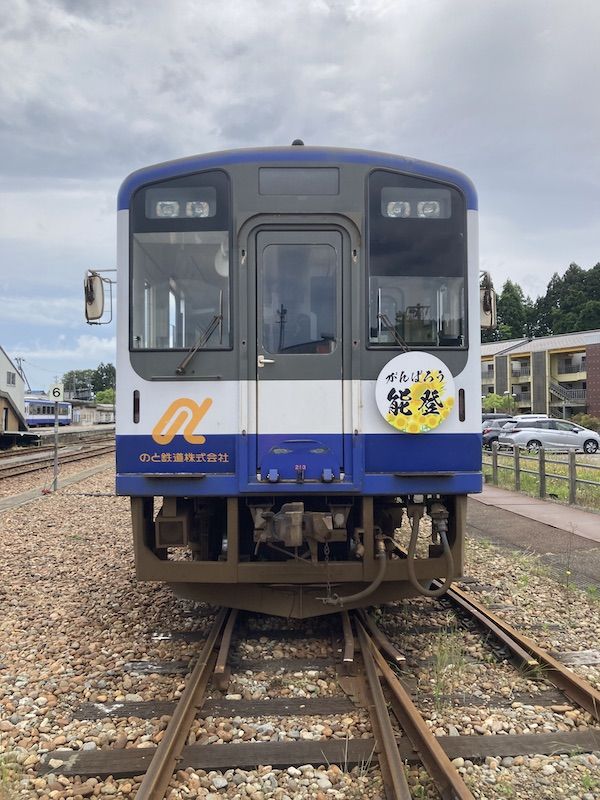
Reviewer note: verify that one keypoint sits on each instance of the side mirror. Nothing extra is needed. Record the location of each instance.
(94, 296)
(487, 302)
(93, 288)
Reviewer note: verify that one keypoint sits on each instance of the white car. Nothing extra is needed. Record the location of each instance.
(551, 434)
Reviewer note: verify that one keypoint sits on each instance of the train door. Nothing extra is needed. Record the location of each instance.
(299, 355)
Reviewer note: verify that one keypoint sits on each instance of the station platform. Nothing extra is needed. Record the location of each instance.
(566, 518)
(566, 539)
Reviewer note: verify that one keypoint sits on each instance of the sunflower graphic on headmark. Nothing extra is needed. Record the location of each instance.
(415, 392)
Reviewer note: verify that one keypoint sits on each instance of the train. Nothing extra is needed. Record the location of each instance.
(39, 412)
(298, 418)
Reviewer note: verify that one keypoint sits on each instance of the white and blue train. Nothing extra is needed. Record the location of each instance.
(299, 375)
(40, 412)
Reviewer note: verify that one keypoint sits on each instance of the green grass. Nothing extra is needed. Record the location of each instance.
(586, 496)
(8, 778)
(448, 664)
(589, 782)
(593, 593)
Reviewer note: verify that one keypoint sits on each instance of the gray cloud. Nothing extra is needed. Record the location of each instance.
(505, 91)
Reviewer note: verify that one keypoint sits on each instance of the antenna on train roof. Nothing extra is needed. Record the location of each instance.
(297, 142)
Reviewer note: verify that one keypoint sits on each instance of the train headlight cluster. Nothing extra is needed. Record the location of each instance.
(172, 208)
(412, 203)
(180, 202)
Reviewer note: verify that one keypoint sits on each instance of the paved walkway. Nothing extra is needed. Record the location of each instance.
(565, 518)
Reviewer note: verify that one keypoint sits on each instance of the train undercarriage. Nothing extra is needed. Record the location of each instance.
(300, 557)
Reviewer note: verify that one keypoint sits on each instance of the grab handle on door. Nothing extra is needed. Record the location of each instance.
(261, 361)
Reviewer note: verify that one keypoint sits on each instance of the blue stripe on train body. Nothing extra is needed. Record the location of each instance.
(369, 463)
(186, 166)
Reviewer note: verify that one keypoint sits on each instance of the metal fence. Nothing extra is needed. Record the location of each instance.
(568, 474)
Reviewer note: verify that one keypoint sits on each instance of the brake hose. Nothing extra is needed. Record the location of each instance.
(411, 562)
(336, 600)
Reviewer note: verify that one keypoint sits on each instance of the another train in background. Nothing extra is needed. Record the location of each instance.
(40, 413)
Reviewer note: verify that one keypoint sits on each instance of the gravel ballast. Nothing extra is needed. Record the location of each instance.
(73, 618)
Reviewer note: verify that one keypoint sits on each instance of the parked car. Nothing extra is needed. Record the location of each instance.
(518, 424)
(488, 416)
(551, 434)
(492, 429)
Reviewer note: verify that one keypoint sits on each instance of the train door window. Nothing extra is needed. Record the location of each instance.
(299, 298)
(417, 262)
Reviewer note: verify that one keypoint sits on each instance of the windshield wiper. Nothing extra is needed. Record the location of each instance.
(200, 342)
(392, 329)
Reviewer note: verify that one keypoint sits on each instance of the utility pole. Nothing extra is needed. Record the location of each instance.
(19, 363)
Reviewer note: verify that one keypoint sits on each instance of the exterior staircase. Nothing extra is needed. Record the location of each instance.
(574, 397)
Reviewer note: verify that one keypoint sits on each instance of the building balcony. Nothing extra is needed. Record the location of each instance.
(570, 370)
(523, 398)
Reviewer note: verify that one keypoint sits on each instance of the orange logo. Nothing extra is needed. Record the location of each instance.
(182, 415)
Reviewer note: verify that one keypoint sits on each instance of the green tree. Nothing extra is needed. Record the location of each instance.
(570, 303)
(103, 377)
(514, 312)
(106, 396)
(496, 402)
(78, 380)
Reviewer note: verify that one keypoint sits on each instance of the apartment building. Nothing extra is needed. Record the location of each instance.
(555, 375)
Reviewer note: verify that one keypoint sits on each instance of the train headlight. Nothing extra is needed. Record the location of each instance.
(429, 209)
(398, 208)
(167, 208)
(411, 202)
(197, 208)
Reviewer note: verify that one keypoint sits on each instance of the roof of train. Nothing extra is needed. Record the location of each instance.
(293, 155)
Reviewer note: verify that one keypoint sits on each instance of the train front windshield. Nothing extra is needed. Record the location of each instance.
(417, 263)
(180, 253)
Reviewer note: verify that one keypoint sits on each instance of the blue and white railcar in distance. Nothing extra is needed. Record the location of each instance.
(298, 415)
(39, 412)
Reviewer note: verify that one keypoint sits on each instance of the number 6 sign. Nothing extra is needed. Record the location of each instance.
(56, 392)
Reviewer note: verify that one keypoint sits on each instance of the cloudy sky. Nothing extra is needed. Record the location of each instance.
(90, 90)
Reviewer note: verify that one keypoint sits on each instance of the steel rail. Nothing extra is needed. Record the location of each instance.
(11, 470)
(222, 673)
(390, 763)
(447, 780)
(348, 657)
(165, 759)
(575, 687)
(378, 636)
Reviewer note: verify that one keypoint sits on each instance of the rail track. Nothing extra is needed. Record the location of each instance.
(529, 653)
(366, 664)
(12, 465)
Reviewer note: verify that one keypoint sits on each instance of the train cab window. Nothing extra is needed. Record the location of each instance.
(181, 278)
(417, 263)
(299, 304)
